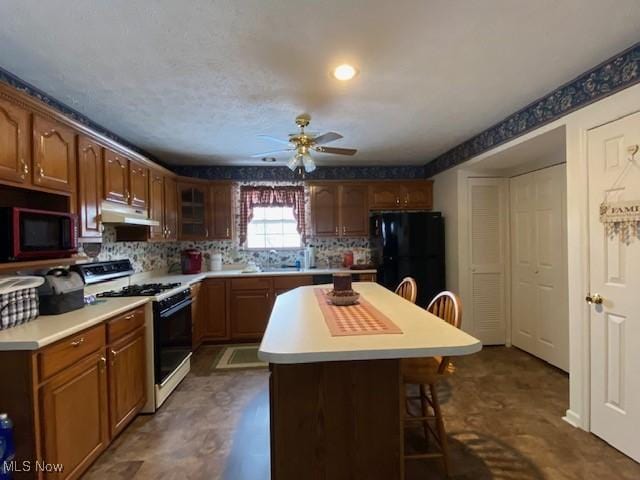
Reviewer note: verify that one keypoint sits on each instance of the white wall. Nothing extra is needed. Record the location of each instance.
(576, 124)
(445, 192)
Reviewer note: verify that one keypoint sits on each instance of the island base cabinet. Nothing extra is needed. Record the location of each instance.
(338, 420)
(75, 417)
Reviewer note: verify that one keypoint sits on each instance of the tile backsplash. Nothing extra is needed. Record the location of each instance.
(147, 256)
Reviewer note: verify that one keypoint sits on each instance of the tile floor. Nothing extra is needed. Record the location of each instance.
(502, 409)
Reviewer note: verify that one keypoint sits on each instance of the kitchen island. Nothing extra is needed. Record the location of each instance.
(336, 403)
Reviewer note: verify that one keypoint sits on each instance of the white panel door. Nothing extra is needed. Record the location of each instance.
(487, 215)
(540, 320)
(615, 275)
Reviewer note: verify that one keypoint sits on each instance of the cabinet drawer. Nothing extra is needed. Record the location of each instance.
(250, 283)
(119, 326)
(289, 283)
(66, 352)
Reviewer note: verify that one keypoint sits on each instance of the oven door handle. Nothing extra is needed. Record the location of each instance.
(175, 308)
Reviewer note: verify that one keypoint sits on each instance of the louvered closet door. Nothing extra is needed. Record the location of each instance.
(486, 293)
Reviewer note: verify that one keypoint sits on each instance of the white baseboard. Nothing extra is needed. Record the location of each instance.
(573, 419)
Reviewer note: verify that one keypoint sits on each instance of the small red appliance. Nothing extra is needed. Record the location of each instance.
(191, 261)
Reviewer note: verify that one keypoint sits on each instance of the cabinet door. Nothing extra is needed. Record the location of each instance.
(354, 211)
(385, 196)
(116, 177)
(138, 185)
(75, 416)
(417, 195)
(221, 212)
(324, 210)
(15, 154)
(89, 187)
(54, 155)
(127, 379)
(156, 206)
(250, 310)
(214, 318)
(192, 212)
(171, 208)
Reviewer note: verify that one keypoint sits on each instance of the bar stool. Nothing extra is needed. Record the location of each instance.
(408, 289)
(425, 372)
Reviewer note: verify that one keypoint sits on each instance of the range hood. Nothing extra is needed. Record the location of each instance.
(124, 215)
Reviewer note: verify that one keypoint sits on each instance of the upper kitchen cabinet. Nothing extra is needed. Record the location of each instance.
(221, 207)
(116, 177)
(405, 195)
(139, 185)
(385, 196)
(418, 195)
(324, 210)
(339, 210)
(193, 206)
(15, 154)
(156, 206)
(170, 208)
(354, 212)
(89, 187)
(54, 155)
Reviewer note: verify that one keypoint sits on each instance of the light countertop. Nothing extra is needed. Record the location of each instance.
(297, 332)
(48, 329)
(186, 280)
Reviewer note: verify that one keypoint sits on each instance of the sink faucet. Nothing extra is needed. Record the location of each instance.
(274, 252)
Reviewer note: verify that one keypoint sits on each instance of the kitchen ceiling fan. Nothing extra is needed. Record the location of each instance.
(302, 143)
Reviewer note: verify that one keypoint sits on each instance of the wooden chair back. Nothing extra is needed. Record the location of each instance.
(408, 289)
(448, 306)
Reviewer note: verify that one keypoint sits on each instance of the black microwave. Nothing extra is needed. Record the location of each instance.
(28, 234)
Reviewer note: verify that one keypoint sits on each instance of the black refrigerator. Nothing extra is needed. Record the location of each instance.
(410, 245)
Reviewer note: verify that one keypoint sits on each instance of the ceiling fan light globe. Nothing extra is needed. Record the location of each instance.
(293, 163)
(309, 164)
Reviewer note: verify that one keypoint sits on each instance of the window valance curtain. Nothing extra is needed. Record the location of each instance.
(251, 197)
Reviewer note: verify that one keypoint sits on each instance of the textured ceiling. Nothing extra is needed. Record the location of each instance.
(194, 82)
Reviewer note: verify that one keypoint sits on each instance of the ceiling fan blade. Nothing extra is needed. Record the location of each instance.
(337, 151)
(274, 139)
(326, 138)
(273, 152)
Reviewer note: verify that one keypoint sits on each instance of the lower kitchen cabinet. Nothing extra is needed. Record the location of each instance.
(214, 321)
(127, 373)
(250, 306)
(75, 412)
(284, 284)
(69, 399)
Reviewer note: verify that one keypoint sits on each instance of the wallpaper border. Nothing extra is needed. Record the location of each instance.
(611, 76)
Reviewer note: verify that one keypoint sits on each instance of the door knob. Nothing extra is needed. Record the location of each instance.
(594, 299)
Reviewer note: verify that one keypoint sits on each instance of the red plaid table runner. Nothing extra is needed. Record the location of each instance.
(359, 319)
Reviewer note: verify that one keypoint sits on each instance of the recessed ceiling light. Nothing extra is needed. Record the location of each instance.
(268, 159)
(345, 72)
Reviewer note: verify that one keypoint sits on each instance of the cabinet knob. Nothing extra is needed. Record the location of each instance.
(397, 201)
(40, 171)
(77, 343)
(344, 230)
(103, 363)
(228, 231)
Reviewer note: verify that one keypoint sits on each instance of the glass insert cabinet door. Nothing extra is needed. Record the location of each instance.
(193, 212)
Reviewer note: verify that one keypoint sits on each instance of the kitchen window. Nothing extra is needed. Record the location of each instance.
(272, 217)
(273, 227)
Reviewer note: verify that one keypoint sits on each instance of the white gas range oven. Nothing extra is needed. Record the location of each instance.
(167, 320)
